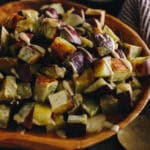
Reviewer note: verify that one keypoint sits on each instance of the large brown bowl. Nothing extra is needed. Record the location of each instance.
(34, 140)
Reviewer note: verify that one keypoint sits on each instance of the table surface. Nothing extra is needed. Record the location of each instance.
(114, 8)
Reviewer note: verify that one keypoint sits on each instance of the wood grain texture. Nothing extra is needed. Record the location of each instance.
(37, 141)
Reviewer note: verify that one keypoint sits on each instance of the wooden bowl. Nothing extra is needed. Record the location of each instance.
(36, 141)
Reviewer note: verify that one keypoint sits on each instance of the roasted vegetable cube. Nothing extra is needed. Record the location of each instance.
(76, 126)
(25, 25)
(24, 116)
(29, 13)
(84, 80)
(132, 51)
(62, 48)
(109, 32)
(47, 27)
(9, 89)
(42, 115)
(105, 44)
(121, 68)
(43, 87)
(6, 63)
(70, 34)
(90, 107)
(109, 105)
(96, 123)
(120, 53)
(102, 68)
(96, 13)
(76, 62)
(31, 54)
(72, 18)
(60, 102)
(86, 42)
(141, 66)
(77, 101)
(58, 122)
(24, 91)
(57, 6)
(99, 84)
(54, 71)
(4, 115)
(124, 94)
(66, 85)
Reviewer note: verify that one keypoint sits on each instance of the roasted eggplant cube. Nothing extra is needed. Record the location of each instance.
(42, 115)
(99, 84)
(84, 80)
(75, 130)
(132, 51)
(22, 72)
(57, 6)
(62, 48)
(54, 71)
(7, 63)
(86, 42)
(90, 106)
(58, 123)
(60, 102)
(9, 89)
(109, 32)
(24, 116)
(76, 62)
(105, 44)
(66, 85)
(121, 70)
(77, 101)
(109, 105)
(70, 34)
(141, 66)
(43, 87)
(96, 13)
(73, 19)
(124, 94)
(48, 28)
(96, 123)
(24, 91)
(102, 68)
(76, 125)
(4, 116)
(31, 54)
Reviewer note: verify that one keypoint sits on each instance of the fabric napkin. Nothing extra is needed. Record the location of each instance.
(136, 13)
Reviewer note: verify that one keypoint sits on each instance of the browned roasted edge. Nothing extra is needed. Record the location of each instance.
(15, 139)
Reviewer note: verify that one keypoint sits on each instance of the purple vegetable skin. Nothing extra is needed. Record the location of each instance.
(71, 34)
(23, 72)
(50, 12)
(103, 41)
(77, 61)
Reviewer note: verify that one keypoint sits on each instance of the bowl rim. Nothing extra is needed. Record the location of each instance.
(13, 138)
